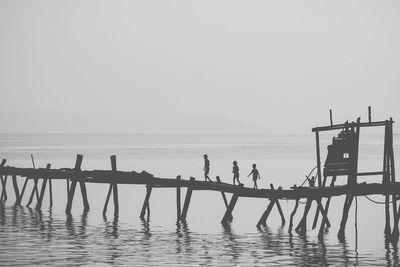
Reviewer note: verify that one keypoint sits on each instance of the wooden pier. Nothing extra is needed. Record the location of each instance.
(342, 160)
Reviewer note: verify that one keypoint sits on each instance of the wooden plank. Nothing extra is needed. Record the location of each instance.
(341, 126)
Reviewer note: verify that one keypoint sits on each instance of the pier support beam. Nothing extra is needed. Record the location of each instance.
(75, 179)
(273, 201)
(345, 215)
(146, 205)
(43, 190)
(114, 189)
(3, 183)
(292, 216)
(187, 201)
(224, 197)
(34, 192)
(228, 214)
(178, 199)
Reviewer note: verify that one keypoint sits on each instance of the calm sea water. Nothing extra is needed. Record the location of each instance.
(50, 237)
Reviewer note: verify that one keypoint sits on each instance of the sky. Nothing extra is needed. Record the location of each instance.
(196, 66)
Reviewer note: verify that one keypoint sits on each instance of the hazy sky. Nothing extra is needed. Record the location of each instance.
(196, 66)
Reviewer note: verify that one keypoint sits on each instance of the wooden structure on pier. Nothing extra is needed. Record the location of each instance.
(342, 160)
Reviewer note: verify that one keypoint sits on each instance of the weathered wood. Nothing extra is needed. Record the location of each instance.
(341, 126)
(318, 210)
(187, 201)
(3, 183)
(114, 189)
(146, 203)
(327, 203)
(23, 190)
(302, 226)
(318, 158)
(369, 114)
(224, 197)
(386, 179)
(43, 190)
(263, 219)
(3, 180)
(34, 191)
(279, 205)
(292, 216)
(345, 215)
(330, 116)
(72, 188)
(51, 192)
(16, 190)
(228, 214)
(178, 200)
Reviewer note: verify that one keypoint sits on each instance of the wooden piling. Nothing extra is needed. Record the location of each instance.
(228, 214)
(224, 197)
(178, 199)
(72, 188)
(318, 158)
(187, 201)
(302, 226)
(113, 187)
(263, 219)
(330, 116)
(146, 203)
(345, 215)
(3, 197)
(279, 205)
(292, 216)
(23, 190)
(3, 183)
(51, 192)
(34, 191)
(43, 190)
(16, 190)
(327, 203)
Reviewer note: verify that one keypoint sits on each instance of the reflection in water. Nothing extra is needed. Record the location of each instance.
(30, 236)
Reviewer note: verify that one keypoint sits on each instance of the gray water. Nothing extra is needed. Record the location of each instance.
(50, 237)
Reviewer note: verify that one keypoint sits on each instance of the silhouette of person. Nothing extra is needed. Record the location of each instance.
(235, 172)
(206, 168)
(255, 174)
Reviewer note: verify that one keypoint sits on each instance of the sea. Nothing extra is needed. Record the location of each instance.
(50, 237)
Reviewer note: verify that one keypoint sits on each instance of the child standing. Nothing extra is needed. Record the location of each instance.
(256, 175)
(235, 172)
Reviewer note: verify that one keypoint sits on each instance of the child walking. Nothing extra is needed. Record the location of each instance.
(255, 174)
(235, 172)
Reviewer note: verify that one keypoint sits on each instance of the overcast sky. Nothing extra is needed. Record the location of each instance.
(196, 66)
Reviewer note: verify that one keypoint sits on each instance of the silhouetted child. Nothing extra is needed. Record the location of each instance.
(256, 175)
(206, 168)
(235, 172)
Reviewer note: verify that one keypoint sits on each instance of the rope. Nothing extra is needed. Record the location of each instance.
(308, 176)
(376, 202)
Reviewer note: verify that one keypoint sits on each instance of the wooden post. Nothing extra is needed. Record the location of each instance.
(16, 190)
(369, 114)
(386, 179)
(3, 182)
(330, 116)
(302, 226)
(187, 201)
(345, 215)
(72, 188)
(3, 197)
(328, 201)
(178, 199)
(23, 189)
(51, 192)
(112, 188)
(224, 197)
(34, 190)
(292, 215)
(146, 203)
(279, 205)
(228, 214)
(263, 219)
(318, 210)
(318, 158)
(40, 201)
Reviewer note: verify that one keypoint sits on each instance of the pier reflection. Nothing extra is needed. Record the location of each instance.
(40, 237)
